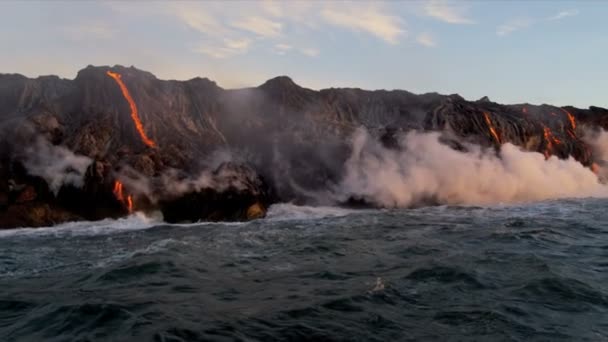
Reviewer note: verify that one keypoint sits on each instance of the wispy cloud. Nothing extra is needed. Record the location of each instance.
(227, 48)
(260, 26)
(197, 18)
(447, 12)
(564, 14)
(426, 39)
(281, 49)
(370, 19)
(311, 52)
(517, 24)
(89, 31)
(513, 25)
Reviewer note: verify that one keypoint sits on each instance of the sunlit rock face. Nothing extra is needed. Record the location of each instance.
(296, 140)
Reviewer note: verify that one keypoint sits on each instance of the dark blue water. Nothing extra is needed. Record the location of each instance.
(521, 273)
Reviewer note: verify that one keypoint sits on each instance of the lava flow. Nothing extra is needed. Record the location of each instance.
(491, 127)
(571, 118)
(550, 139)
(118, 192)
(130, 203)
(134, 115)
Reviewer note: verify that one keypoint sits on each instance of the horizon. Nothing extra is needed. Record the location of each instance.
(515, 52)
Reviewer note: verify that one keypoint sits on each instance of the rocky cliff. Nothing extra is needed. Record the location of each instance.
(224, 154)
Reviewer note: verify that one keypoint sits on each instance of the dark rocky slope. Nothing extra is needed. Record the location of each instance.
(283, 141)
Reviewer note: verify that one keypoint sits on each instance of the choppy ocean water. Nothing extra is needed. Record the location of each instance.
(528, 272)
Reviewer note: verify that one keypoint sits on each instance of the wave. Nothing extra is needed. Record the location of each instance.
(141, 221)
(136, 221)
(288, 211)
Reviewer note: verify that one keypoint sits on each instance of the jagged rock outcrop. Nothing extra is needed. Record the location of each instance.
(234, 193)
(295, 139)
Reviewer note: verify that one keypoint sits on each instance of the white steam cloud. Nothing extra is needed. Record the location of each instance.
(599, 144)
(427, 170)
(56, 164)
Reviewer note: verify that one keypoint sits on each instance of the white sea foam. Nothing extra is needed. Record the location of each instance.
(286, 211)
(133, 222)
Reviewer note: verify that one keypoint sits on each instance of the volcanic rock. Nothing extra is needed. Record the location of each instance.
(235, 193)
(294, 139)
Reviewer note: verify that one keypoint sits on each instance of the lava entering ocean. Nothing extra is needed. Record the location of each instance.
(550, 139)
(118, 192)
(134, 115)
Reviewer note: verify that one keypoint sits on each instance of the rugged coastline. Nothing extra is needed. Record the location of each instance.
(116, 140)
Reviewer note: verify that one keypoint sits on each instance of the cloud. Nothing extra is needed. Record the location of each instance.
(260, 26)
(273, 8)
(426, 39)
(90, 31)
(281, 49)
(447, 12)
(311, 52)
(227, 48)
(369, 19)
(197, 18)
(513, 25)
(564, 14)
(522, 23)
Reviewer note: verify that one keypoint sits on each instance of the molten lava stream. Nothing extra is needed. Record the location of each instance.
(120, 196)
(118, 191)
(493, 131)
(570, 118)
(548, 140)
(134, 115)
(130, 203)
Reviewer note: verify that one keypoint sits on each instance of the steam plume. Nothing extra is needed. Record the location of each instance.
(427, 170)
(56, 164)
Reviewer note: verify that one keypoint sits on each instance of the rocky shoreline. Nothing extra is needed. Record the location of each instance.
(102, 147)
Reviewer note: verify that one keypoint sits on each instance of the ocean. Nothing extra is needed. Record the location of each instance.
(525, 272)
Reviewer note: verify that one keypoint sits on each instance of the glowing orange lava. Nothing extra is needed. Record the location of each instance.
(547, 135)
(571, 118)
(134, 115)
(118, 192)
(130, 203)
(595, 168)
(550, 139)
(491, 127)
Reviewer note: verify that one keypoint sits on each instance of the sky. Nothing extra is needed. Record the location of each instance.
(511, 51)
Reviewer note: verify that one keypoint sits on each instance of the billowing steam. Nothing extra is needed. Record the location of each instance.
(56, 164)
(428, 171)
(599, 143)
